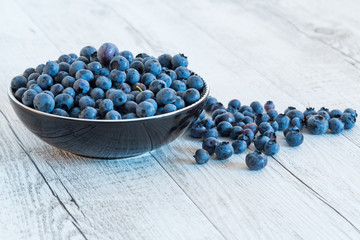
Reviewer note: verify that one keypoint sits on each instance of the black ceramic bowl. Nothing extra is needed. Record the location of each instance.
(108, 138)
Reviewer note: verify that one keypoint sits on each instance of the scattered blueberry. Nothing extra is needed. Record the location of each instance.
(201, 156)
(256, 160)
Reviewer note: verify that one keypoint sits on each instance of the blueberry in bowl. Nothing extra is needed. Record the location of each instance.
(100, 108)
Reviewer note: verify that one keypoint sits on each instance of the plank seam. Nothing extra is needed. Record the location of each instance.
(20, 143)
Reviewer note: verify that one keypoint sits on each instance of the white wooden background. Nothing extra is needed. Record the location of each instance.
(301, 53)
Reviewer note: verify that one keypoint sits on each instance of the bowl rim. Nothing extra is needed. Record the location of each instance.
(165, 115)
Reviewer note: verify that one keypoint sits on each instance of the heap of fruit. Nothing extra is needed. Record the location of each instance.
(108, 84)
(258, 124)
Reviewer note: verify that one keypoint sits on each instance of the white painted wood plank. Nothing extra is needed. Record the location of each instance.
(209, 203)
(59, 195)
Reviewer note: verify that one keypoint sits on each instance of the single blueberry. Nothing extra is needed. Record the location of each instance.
(145, 109)
(132, 76)
(138, 65)
(60, 112)
(179, 60)
(105, 106)
(107, 52)
(261, 117)
(294, 138)
(56, 88)
(265, 126)
(28, 97)
(18, 82)
(70, 91)
(256, 107)
(224, 150)
(128, 55)
(256, 160)
(88, 113)
(113, 115)
(335, 113)
(84, 74)
(165, 60)
(124, 87)
(144, 95)
(45, 81)
(68, 81)
(64, 101)
(19, 93)
(166, 96)
(348, 119)
(74, 112)
(44, 102)
(86, 101)
(269, 105)
(191, 95)
(36, 87)
(169, 108)
(76, 66)
(317, 124)
(118, 97)
(235, 132)
(201, 156)
(103, 82)
(336, 125)
(51, 68)
(81, 86)
(197, 130)
(209, 144)
(239, 146)
(152, 66)
(283, 121)
(87, 52)
(271, 148)
(260, 142)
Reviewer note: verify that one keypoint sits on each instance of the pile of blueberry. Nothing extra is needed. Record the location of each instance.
(242, 123)
(108, 84)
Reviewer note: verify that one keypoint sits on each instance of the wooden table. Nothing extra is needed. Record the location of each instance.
(301, 53)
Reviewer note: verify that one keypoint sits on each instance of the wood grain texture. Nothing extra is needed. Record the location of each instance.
(243, 49)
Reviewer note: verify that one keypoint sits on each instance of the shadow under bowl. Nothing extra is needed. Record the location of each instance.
(109, 138)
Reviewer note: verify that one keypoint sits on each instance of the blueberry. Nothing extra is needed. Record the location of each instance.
(138, 65)
(352, 111)
(74, 112)
(247, 132)
(128, 55)
(33, 76)
(105, 72)
(247, 120)
(56, 88)
(240, 124)
(106, 53)
(97, 93)
(239, 146)
(19, 93)
(64, 58)
(260, 142)
(165, 60)
(31, 82)
(132, 76)
(83, 59)
(245, 138)
(179, 60)
(289, 109)
(86, 101)
(182, 72)
(252, 127)
(60, 112)
(73, 56)
(290, 128)
(64, 67)
(217, 106)
(256, 107)
(249, 114)
(157, 85)
(209, 144)
(179, 102)
(270, 135)
(105, 106)
(117, 77)
(235, 132)
(147, 79)
(197, 130)
(68, 81)
(335, 113)
(325, 114)
(138, 87)
(28, 97)
(28, 71)
(103, 82)
(294, 138)
(64, 101)
(153, 102)
(317, 124)
(208, 123)
(178, 85)
(261, 117)
(336, 125)
(144, 95)
(165, 78)
(51, 68)
(87, 52)
(274, 125)
(228, 117)
(145, 109)
(269, 105)
(113, 115)
(125, 87)
(283, 121)
(271, 148)
(166, 96)
(129, 116)
(238, 116)
(130, 107)
(224, 128)
(272, 114)
(152, 66)
(265, 126)
(35, 87)
(212, 132)
(159, 110)
(256, 160)
(169, 108)
(224, 150)
(70, 91)
(39, 69)
(218, 112)
(84, 74)
(76, 66)
(170, 73)
(244, 108)
(45, 81)
(118, 97)
(201, 156)
(142, 55)
(309, 111)
(81, 86)
(88, 113)
(60, 76)
(44, 102)
(18, 82)
(348, 119)
(296, 122)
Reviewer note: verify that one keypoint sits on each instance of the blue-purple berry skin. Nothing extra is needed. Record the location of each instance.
(84, 74)
(247, 120)
(145, 109)
(283, 121)
(265, 126)
(51, 68)
(325, 114)
(178, 85)
(294, 138)
(70, 91)
(256, 107)
(274, 125)
(352, 111)
(56, 88)
(81, 86)
(209, 102)
(179, 60)
(256, 160)
(44, 102)
(118, 97)
(197, 130)
(45, 81)
(235, 132)
(36, 87)
(238, 116)
(107, 52)
(196, 82)
(336, 126)
(60, 112)
(166, 78)
(86, 101)
(260, 142)
(272, 114)
(153, 66)
(348, 119)
(208, 123)
(64, 101)
(239, 146)
(191, 95)
(165, 60)
(88, 113)
(165, 96)
(209, 144)
(18, 82)
(224, 150)
(317, 124)
(261, 117)
(294, 113)
(114, 115)
(28, 97)
(217, 112)
(201, 156)
(224, 128)
(271, 148)
(147, 94)
(228, 117)
(19, 93)
(169, 108)
(269, 105)
(290, 128)
(335, 113)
